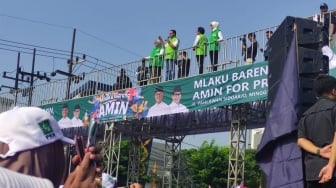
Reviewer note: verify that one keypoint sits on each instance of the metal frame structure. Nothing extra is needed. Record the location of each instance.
(172, 162)
(133, 170)
(111, 145)
(236, 166)
(237, 139)
(235, 118)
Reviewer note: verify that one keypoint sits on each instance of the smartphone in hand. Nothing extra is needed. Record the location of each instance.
(80, 149)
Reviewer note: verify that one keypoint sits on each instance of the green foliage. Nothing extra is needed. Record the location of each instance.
(252, 170)
(209, 165)
(123, 163)
(206, 165)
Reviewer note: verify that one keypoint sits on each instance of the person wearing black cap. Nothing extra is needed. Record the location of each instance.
(65, 121)
(76, 122)
(328, 21)
(160, 107)
(175, 105)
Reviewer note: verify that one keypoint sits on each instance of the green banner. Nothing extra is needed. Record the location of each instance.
(238, 85)
(233, 86)
(71, 113)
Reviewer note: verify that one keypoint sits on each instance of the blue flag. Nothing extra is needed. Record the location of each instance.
(278, 154)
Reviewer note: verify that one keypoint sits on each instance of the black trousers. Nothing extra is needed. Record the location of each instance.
(200, 61)
(316, 184)
(214, 59)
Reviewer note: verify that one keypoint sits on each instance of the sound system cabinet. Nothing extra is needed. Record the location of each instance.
(311, 62)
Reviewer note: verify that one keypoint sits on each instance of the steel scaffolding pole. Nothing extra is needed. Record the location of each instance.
(172, 162)
(111, 145)
(237, 153)
(133, 170)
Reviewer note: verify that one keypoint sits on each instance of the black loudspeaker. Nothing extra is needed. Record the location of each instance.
(311, 61)
(309, 55)
(309, 33)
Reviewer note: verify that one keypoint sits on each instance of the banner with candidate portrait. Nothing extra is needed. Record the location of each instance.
(233, 86)
(227, 87)
(120, 105)
(71, 113)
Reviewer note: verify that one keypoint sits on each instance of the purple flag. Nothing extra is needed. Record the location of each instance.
(278, 154)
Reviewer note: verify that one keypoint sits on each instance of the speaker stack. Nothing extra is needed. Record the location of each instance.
(311, 62)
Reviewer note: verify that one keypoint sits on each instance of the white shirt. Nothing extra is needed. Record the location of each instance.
(9, 178)
(65, 123)
(198, 37)
(220, 35)
(319, 18)
(327, 51)
(177, 108)
(158, 109)
(76, 122)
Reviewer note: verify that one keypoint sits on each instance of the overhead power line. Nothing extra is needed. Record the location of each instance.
(35, 21)
(57, 54)
(68, 27)
(110, 43)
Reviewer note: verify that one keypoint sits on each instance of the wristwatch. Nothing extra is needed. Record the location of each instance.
(318, 151)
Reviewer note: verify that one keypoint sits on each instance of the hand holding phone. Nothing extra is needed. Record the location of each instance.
(80, 147)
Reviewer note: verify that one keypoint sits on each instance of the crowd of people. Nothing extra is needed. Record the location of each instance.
(167, 52)
(32, 143)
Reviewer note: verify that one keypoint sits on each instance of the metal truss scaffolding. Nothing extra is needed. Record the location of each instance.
(133, 161)
(237, 153)
(139, 130)
(172, 162)
(111, 145)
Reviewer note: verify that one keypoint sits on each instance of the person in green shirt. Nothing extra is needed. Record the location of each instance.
(156, 60)
(171, 48)
(200, 48)
(215, 38)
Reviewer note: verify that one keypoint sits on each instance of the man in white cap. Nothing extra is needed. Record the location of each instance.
(31, 142)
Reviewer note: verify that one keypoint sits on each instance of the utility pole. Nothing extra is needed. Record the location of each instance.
(16, 85)
(29, 80)
(32, 79)
(70, 63)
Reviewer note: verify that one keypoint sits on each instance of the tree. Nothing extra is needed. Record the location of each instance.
(209, 165)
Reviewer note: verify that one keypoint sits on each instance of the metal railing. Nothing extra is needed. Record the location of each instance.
(230, 55)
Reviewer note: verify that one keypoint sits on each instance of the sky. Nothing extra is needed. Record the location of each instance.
(118, 32)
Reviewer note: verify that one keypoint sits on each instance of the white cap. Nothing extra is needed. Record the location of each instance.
(24, 128)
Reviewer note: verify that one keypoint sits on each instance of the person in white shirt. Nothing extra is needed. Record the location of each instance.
(327, 51)
(65, 121)
(175, 105)
(160, 107)
(32, 143)
(76, 122)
